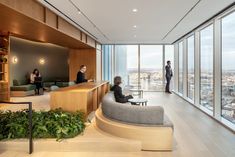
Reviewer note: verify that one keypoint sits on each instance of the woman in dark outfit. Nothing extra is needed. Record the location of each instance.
(81, 75)
(38, 84)
(119, 97)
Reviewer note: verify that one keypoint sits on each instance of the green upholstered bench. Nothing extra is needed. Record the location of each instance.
(62, 84)
(21, 88)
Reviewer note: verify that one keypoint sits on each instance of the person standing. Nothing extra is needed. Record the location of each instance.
(81, 75)
(169, 75)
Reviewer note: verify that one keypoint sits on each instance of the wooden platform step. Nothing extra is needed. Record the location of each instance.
(93, 140)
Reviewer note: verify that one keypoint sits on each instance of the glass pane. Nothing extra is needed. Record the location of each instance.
(169, 56)
(206, 67)
(107, 51)
(181, 67)
(228, 67)
(151, 76)
(190, 50)
(126, 64)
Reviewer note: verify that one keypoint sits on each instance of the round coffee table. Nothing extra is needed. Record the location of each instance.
(139, 101)
(138, 91)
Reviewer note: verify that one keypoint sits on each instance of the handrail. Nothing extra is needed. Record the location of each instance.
(30, 114)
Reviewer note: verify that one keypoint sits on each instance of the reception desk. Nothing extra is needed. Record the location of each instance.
(85, 97)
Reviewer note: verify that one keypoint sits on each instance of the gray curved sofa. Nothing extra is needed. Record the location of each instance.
(125, 112)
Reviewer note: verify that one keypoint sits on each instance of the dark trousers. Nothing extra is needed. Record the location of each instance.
(129, 97)
(38, 86)
(168, 80)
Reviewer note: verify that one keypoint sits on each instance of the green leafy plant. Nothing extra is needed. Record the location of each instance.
(46, 124)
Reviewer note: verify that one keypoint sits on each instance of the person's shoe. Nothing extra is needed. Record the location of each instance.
(169, 92)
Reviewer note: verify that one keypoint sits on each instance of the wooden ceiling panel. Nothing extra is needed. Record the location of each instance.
(25, 27)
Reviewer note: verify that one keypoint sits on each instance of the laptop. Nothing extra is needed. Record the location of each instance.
(38, 79)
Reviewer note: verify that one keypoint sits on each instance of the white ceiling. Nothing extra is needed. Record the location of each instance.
(114, 19)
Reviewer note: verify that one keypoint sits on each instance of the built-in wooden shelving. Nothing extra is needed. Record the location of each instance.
(4, 68)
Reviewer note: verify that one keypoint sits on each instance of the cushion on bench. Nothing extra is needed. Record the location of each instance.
(27, 87)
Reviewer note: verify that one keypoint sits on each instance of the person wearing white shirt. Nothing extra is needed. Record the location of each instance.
(38, 84)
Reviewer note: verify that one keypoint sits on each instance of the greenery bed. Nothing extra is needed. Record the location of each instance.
(46, 124)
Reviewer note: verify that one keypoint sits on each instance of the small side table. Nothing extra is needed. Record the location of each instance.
(139, 91)
(143, 102)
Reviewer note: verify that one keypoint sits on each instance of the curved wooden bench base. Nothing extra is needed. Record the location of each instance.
(152, 138)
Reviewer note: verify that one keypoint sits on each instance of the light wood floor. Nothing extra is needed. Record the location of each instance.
(195, 134)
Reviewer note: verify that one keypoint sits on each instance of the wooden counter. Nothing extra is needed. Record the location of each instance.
(85, 97)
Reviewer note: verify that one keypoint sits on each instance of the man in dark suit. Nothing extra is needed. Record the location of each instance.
(81, 75)
(169, 74)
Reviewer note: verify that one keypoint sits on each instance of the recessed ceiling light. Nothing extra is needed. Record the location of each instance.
(134, 10)
(134, 26)
(79, 12)
(134, 36)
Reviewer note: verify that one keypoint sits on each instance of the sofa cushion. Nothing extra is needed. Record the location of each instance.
(16, 83)
(48, 84)
(153, 115)
(62, 84)
(27, 87)
(19, 82)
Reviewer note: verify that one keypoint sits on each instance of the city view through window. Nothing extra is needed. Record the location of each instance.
(206, 67)
(151, 64)
(181, 64)
(228, 67)
(190, 72)
(126, 64)
(169, 56)
(144, 70)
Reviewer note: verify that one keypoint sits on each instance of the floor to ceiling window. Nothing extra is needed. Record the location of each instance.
(107, 54)
(180, 68)
(210, 56)
(206, 67)
(126, 64)
(169, 56)
(228, 67)
(190, 66)
(151, 74)
(140, 66)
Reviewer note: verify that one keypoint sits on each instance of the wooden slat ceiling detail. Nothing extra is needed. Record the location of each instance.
(22, 26)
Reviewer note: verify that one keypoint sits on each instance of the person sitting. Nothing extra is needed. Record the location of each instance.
(35, 78)
(81, 75)
(119, 97)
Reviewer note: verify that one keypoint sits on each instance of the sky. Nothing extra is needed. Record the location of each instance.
(150, 56)
(228, 42)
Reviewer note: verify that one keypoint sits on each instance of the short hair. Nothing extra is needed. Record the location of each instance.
(168, 62)
(117, 80)
(82, 66)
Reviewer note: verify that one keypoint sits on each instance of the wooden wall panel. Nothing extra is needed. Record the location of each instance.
(22, 26)
(78, 57)
(90, 41)
(50, 18)
(30, 8)
(26, 19)
(69, 29)
(83, 37)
